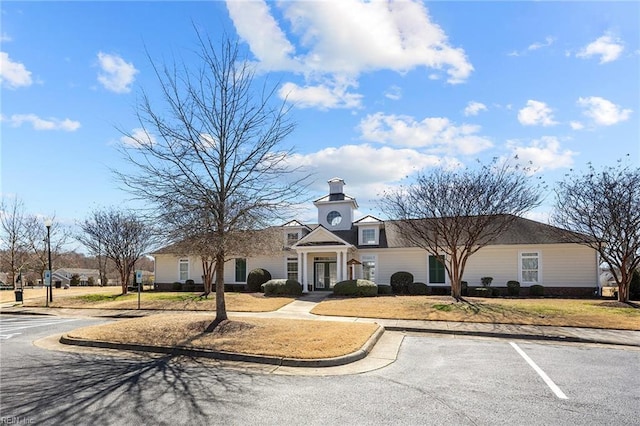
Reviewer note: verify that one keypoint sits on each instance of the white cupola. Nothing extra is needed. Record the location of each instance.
(335, 210)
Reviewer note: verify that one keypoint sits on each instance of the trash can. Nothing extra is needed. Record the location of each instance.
(18, 294)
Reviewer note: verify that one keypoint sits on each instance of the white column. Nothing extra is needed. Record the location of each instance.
(305, 283)
(301, 273)
(345, 274)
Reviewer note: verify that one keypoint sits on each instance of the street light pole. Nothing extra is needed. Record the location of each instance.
(48, 224)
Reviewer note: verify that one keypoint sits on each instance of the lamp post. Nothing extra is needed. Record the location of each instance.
(48, 222)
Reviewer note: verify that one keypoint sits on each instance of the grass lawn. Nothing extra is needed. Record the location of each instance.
(556, 312)
(112, 299)
(258, 336)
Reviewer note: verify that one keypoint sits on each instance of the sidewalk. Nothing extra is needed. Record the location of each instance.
(383, 350)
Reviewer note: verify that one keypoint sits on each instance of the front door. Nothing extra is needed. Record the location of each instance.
(325, 275)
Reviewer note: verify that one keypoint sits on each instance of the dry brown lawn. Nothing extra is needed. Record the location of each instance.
(256, 336)
(38, 294)
(235, 302)
(556, 312)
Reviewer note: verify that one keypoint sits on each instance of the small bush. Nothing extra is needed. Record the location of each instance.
(513, 288)
(464, 288)
(355, 288)
(282, 287)
(418, 289)
(400, 281)
(486, 281)
(385, 289)
(256, 278)
(634, 287)
(482, 292)
(536, 290)
(189, 285)
(495, 292)
(177, 286)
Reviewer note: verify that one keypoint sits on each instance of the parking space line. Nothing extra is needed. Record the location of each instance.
(541, 373)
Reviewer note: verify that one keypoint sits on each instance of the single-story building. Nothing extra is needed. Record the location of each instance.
(338, 247)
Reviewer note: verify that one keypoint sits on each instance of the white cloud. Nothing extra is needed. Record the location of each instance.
(346, 38)
(602, 111)
(138, 137)
(394, 93)
(548, 41)
(13, 74)
(433, 133)
(544, 153)
(320, 96)
(38, 123)
(4, 38)
(607, 47)
(576, 125)
(536, 113)
(117, 75)
(473, 108)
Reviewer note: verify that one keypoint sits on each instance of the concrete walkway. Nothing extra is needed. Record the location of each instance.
(384, 348)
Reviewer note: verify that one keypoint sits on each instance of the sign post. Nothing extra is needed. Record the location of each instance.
(139, 284)
(47, 285)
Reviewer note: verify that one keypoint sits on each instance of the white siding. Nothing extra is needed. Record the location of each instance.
(395, 260)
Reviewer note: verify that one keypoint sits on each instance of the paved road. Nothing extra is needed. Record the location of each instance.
(436, 380)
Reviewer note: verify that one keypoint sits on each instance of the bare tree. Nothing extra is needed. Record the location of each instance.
(605, 205)
(454, 213)
(208, 159)
(14, 238)
(120, 235)
(36, 242)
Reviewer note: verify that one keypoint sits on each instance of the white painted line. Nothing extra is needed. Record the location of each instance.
(541, 373)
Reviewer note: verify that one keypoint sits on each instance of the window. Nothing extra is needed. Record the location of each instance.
(369, 268)
(292, 238)
(334, 218)
(530, 267)
(241, 270)
(368, 236)
(183, 269)
(436, 271)
(292, 268)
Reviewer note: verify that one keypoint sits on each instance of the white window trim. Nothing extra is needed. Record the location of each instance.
(520, 257)
(180, 262)
(376, 236)
(367, 258)
(287, 261)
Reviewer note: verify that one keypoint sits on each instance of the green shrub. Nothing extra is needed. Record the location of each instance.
(536, 290)
(482, 292)
(189, 285)
(177, 286)
(400, 282)
(495, 292)
(513, 288)
(418, 289)
(464, 288)
(282, 287)
(355, 288)
(486, 281)
(385, 289)
(256, 278)
(634, 287)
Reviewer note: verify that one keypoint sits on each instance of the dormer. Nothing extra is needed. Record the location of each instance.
(335, 210)
(369, 230)
(294, 231)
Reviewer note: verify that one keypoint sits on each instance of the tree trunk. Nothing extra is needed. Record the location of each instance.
(221, 308)
(623, 292)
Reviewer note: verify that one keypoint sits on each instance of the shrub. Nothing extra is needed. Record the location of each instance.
(385, 289)
(177, 286)
(482, 292)
(495, 292)
(282, 287)
(189, 285)
(418, 289)
(486, 281)
(464, 288)
(256, 278)
(400, 281)
(536, 290)
(355, 288)
(513, 288)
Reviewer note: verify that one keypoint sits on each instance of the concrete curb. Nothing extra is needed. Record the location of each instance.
(502, 335)
(230, 356)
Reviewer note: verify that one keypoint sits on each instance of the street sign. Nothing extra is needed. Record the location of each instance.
(47, 278)
(139, 277)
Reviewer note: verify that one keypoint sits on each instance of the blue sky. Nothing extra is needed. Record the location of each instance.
(381, 90)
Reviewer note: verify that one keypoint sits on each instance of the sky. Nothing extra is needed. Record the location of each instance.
(380, 90)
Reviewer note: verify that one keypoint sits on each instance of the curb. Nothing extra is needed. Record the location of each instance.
(231, 356)
(570, 339)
